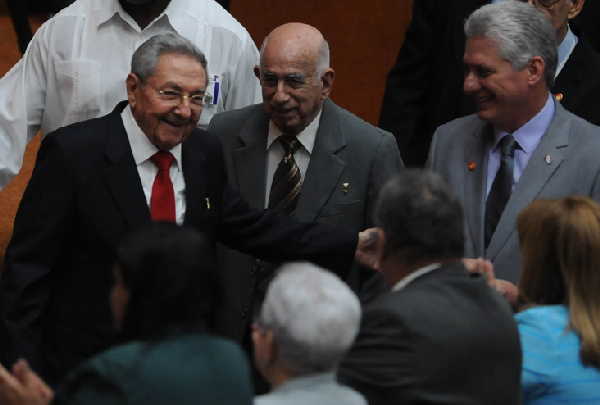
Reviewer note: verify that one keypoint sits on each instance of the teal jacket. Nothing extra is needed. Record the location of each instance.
(186, 369)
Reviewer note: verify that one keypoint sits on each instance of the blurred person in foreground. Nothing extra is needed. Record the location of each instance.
(441, 336)
(560, 285)
(160, 303)
(308, 321)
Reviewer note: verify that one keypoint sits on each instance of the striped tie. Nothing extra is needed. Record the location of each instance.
(287, 180)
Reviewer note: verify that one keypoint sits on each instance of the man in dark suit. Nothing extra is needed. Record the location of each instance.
(98, 179)
(442, 336)
(342, 161)
(424, 88)
(522, 144)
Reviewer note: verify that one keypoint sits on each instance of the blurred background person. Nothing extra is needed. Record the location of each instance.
(160, 301)
(560, 287)
(308, 320)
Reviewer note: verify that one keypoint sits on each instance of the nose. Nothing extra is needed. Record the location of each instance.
(184, 108)
(471, 84)
(281, 95)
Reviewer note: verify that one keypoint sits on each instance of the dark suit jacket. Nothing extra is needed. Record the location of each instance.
(424, 89)
(346, 150)
(564, 163)
(187, 369)
(446, 338)
(579, 82)
(84, 194)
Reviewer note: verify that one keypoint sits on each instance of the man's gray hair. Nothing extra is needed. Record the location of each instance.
(520, 31)
(313, 315)
(146, 57)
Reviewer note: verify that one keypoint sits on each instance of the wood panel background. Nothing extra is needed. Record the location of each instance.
(364, 37)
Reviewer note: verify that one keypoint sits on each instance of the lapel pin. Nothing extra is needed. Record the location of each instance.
(559, 97)
(207, 200)
(548, 159)
(345, 187)
(471, 166)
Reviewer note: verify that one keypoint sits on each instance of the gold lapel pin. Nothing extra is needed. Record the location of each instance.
(559, 97)
(548, 159)
(471, 166)
(345, 188)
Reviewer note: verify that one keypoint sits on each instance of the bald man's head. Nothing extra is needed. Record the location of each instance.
(295, 75)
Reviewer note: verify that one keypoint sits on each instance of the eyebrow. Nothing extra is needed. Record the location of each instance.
(177, 87)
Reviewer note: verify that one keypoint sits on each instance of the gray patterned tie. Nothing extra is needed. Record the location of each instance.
(287, 180)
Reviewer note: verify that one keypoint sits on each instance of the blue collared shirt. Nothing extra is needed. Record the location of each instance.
(528, 137)
(565, 49)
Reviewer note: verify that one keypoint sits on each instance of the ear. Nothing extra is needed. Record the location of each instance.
(257, 72)
(536, 70)
(576, 7)
(379, 249)
(133, 84)
(327, 79)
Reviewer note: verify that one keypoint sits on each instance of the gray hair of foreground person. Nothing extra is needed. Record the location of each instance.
(421, 218)
(146, 57)
(520, 31)
(314, 317)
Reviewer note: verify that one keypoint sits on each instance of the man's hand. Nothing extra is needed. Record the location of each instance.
(367, 248)
(23, 386)
(505, 288)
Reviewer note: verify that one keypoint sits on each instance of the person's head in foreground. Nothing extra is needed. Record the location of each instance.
(510, 60)
(419, 222)
(308, 321)
(163, 279)
(559, 285)
(560, 242)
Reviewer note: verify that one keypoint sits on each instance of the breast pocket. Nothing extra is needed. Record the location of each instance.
(79, 89)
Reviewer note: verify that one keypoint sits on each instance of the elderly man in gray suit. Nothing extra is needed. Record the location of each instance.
(521, 145)
(300, 153)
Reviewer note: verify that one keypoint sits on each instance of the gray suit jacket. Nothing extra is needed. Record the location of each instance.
(566, 162)
(347, 150)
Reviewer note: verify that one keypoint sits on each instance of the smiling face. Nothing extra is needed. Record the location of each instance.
(502, 94)
(293, 89)
(167, 120)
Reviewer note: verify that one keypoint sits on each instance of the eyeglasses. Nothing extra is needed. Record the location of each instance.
(176, 97)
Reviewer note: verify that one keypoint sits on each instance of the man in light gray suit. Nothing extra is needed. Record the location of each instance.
(521, 145)
(332, 175)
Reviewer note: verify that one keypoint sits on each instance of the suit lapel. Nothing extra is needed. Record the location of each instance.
(475, 170)
(121, 174)
(325, 167)
(544, 162)
(249, 159)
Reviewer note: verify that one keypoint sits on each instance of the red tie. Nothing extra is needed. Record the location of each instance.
(162, 201)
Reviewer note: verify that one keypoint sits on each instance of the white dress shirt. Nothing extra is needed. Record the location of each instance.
(76, 65)
(415, 275)
(275, 151)
(142, 150)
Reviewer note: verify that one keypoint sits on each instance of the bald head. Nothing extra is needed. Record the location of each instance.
(300, 42)
(295, 75)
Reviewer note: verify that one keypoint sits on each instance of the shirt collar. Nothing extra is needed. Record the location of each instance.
(529, 135)
(309, 381)
(141, 147)
(306, 137)
(566, 48)
(115, 10)
(414, 275)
